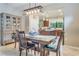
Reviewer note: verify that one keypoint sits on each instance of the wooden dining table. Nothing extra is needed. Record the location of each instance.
(41, 39)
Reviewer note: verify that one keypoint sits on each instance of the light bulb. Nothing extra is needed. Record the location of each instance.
(27, 13)
(38, 10)
(35, 11)
(32, 11)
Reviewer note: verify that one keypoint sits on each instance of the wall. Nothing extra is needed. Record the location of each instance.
(72, 33)
(26, 22)
(71, 19)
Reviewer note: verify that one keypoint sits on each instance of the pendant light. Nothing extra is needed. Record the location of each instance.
(33, 10)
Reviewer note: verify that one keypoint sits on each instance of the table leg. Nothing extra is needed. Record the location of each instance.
(42, 51)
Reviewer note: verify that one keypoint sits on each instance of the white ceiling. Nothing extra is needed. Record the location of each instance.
(49, 8)
(19, 6)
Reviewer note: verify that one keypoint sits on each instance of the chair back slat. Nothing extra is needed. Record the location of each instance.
(21, 37)
(60, 39)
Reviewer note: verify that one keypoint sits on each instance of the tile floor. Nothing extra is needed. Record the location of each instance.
(9, 50)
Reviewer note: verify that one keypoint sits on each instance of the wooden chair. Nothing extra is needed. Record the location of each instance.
(23, 43)
(57, 49)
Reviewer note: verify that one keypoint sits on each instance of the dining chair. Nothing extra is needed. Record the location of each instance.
(54, 46)
(23, 43)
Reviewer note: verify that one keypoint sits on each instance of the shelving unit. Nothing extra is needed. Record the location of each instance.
(8, 24)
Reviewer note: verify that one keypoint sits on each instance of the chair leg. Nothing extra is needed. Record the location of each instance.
(15, 43)
(57, 53)
(26, 51)
(20, 52)
(47, 53)
(34, 51)
(44, 52)
(40, 52)
(38, 49)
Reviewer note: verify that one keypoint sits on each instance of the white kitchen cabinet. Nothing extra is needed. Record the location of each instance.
(8, 24)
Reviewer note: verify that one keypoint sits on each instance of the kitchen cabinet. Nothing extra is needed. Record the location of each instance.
(8, 24)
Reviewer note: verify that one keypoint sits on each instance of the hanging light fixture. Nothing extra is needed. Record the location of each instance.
(33, 10)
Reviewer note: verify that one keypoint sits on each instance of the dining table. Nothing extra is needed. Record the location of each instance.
(41, 39)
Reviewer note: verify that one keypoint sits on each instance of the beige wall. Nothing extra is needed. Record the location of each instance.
(72, 29)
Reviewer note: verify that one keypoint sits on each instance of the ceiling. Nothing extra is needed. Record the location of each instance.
(50, 9)
(19, 6)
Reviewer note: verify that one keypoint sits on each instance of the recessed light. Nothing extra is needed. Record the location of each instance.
(59, 10)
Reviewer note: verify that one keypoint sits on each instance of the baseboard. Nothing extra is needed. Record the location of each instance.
(8, 43)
